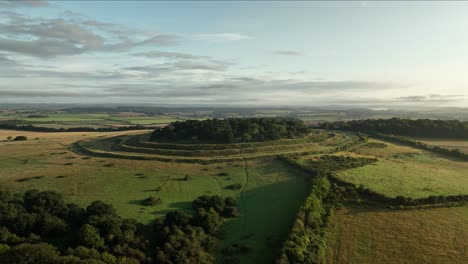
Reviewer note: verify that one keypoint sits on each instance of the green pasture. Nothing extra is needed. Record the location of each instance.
(405, 171)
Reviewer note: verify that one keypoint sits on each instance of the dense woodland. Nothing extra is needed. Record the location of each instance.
(406, 127)
(41, 228)
(231, 130)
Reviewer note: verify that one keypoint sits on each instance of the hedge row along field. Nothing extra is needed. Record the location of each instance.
(308, 240)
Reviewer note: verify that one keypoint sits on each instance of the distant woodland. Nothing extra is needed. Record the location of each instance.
(406, 127)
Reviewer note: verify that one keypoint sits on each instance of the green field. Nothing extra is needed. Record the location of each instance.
(462, 145)
(58, 119)
(270, 189)
(270, 193)
(374, 235)
(405, 171)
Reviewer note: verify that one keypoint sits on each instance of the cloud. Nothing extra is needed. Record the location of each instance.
(53, 37)
(169, 55)
(208, 65)
(22, 3)
(412, 98)
(220, 37)
(289, 53)
(429, 98)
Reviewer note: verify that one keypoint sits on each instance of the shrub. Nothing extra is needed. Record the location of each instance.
(151, 201)
(235, 186)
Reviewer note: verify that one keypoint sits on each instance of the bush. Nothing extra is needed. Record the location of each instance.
(20, 138)
(151, 201)
(235, 186)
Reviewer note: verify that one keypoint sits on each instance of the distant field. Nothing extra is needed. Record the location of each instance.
(369, 236)
(462, 145)
(408, 172)
(270, 189)
(67, 120)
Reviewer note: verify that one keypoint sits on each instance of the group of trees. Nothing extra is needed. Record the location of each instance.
(184, 238)
(12, 126)
(40, 227)
(406, 127)
(231, 130)
(307, 241)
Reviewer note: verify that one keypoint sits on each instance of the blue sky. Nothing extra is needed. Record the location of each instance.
(235, 53)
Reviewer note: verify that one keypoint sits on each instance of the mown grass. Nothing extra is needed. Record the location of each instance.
(373, 235)
(405, 171)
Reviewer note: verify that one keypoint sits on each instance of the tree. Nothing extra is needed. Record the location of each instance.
(89, 237)
(41, 253)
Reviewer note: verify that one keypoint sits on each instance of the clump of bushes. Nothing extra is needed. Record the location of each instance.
(152, 201)
(20, 138)
(235, 186)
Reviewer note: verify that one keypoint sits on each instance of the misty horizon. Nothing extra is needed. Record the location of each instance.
(353, 54)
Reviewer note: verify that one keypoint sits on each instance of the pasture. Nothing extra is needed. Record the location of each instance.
(374, 235)
(405, 171)
(59, 119)
(268, 188)
(462, 145)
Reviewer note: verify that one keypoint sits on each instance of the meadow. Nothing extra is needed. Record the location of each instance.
(409, 172)
(269, 192)
(462, 145)
(59, 119)
(375, 235)
(269, 189)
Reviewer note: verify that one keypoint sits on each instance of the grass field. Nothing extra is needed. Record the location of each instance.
(60, 119)
(462, 145)
(408, 172)
(372, 235)
(268, 205)
(270, 189)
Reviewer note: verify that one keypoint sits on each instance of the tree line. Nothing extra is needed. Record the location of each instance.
(41, 228)
(231, 130)
(307, 241)
(11, 126)
(405, 127)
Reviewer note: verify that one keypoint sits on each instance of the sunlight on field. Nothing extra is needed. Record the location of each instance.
(409, 172)
(462, 145)
(382, 236)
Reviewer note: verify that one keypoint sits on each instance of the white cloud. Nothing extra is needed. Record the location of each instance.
(220, 37)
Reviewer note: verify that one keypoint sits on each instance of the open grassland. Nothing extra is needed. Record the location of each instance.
(269, 191)
(268, 204)
(405, 171)
(360, 235)
(462, 145)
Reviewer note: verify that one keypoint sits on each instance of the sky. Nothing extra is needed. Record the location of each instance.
(227, 53)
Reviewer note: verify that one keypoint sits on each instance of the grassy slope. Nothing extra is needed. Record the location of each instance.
(270, 197)
(462, 145)
(409, 172)
(383, 236)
